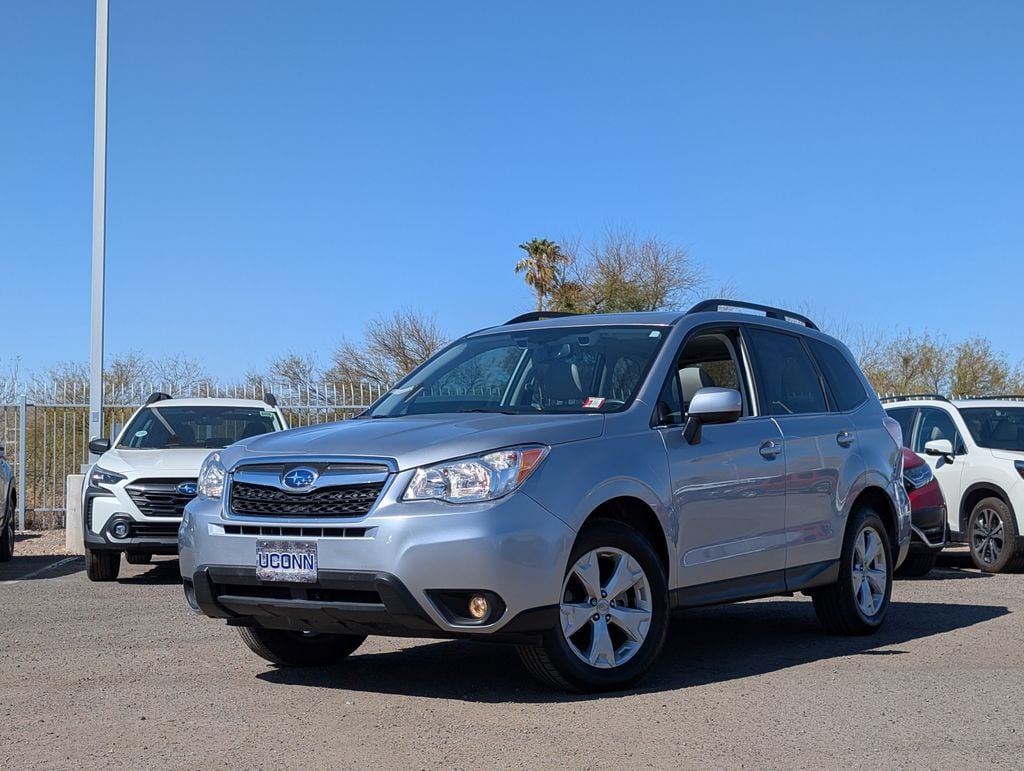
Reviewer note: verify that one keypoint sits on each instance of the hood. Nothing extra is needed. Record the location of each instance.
(1008, 454)
(420, 439)
(167, 462)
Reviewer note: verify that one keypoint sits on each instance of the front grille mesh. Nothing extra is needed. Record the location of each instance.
(252, 500)
(159, 497)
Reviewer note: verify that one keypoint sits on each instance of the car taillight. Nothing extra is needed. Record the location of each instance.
(893, 427)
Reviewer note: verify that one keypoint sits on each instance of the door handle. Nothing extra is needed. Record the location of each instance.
(770, 449)
(845, 438)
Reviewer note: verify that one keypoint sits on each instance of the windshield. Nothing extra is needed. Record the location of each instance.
(157, 428)
(998, 428)
(565, 370)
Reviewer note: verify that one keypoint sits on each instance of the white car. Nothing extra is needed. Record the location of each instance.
(975, 448)
(136, 491)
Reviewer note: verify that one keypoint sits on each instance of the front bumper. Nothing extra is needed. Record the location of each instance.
(102, 509)
(928, 528)
(398, 560)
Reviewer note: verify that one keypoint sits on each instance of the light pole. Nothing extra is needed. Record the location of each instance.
(99, 222)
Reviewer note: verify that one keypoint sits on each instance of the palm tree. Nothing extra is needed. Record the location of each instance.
(542, 265)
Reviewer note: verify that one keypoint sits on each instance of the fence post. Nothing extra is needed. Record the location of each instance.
(22, 458)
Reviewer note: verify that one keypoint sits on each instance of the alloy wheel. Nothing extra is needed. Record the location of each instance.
(869, 574)
(987, 536)
(606, 607)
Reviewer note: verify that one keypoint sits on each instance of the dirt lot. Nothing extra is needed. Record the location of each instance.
(123, 675)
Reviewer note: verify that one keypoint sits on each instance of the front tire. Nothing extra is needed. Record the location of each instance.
(992, 537)
(918, 564)
(288, 648)
(856, 604)
(7, 536)
(102, 565)
(613, 614)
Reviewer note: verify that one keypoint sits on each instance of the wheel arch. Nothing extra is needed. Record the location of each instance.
(878, 499)
(977, 492)
(640, 516)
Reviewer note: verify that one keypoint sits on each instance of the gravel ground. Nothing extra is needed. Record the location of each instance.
(36, 543)
(123, 675)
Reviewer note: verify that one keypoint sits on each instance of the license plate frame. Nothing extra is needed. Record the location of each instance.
(286, 560)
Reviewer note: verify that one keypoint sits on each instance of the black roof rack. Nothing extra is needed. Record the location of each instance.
(537, 316)
(912, 397)
(770, 312)
(269, 399)
(157, 396)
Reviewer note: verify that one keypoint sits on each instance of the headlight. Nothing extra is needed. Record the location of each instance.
(100, 476)
(211, 477)
(918, 476)
(469, 480)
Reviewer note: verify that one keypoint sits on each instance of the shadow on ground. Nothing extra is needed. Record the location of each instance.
(37, 567)
(708, 645)
(159, 572)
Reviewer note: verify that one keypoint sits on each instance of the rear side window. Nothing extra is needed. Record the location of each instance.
(905, 417)
(788, 381)
(846, 387)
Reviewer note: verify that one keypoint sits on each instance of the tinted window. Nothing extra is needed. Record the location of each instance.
(789, 383)
(934, 424)
(1001, 428)
(844, 383)
(905, 417)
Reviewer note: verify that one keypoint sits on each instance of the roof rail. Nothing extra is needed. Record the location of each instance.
(537, 316)
(269, 399)
(996, 397)
(157, 396)
(767, 310)
(912, 397)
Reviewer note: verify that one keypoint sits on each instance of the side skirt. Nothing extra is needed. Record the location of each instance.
(768, 584)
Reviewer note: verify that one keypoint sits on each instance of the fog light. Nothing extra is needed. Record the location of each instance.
(478, 606)
(120, 529)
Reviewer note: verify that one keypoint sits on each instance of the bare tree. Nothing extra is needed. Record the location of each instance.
(180, 374)
(622, 272)
(392, 346)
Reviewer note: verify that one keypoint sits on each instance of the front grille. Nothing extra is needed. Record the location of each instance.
(88, 515)
(153, 529)
(302, 532)
(159, 497)
(252, 500)
(302, 593)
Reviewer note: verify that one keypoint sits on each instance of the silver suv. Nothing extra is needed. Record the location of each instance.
(562, 484)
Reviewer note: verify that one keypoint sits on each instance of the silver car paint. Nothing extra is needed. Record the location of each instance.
(726, 510)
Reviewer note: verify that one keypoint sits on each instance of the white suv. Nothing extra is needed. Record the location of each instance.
(136, 492)
(975, 447)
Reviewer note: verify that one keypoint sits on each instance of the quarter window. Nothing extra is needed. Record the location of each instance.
(846, 386)
(788, 380)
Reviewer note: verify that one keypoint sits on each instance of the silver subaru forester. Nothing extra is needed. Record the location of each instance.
(562, 483)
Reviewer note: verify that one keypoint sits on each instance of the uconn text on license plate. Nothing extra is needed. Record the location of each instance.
(286, 561)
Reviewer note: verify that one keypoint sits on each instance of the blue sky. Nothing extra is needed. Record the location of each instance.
(279, 173)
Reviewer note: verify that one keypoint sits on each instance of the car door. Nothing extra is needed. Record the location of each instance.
(729, 488)
(936, 423)
(821, 456)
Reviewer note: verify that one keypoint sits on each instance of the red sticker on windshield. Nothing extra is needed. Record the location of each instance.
(593, 402)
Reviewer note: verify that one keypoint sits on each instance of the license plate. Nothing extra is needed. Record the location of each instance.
(286, 561)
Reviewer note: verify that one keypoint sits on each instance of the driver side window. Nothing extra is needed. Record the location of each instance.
(706, 359)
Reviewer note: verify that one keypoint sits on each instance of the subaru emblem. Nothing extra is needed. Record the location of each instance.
(187, 488)
(301, 478)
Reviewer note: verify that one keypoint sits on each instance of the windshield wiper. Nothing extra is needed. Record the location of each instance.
(496, 410)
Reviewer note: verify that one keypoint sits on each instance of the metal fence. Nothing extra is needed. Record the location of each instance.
(45, 432)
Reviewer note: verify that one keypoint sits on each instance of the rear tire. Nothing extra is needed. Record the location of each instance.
(992, 537)
(918, 564)
(137, 559)
(287, 648)
(856, 604)
(613, 614)
(102, 565)
(7, 536)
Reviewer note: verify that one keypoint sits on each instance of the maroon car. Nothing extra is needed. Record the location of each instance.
(927, 514)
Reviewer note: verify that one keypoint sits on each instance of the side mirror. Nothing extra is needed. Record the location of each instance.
(709, 406)
(99, 446)
(942, 447)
